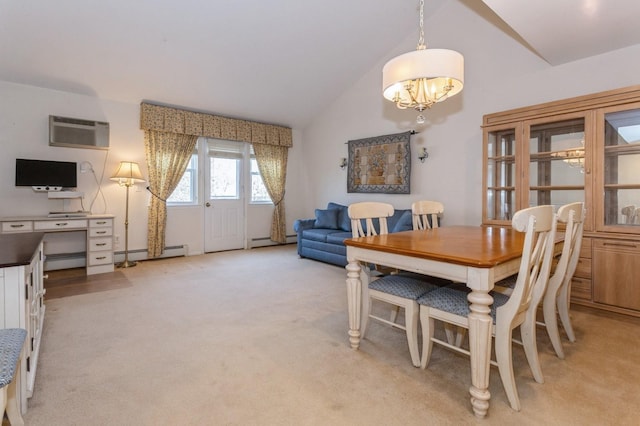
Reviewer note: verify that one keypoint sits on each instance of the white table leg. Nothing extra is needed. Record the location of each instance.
(480, 325)
(354, 302)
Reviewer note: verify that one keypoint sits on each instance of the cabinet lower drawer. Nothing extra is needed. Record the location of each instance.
(581, 288)
(51, 225)
(100, 258)
(585, 248)
(98, 244)
(22, 226)
(616, 268)
(583, 269)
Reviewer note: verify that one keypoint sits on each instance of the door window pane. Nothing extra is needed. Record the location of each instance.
(225, 178)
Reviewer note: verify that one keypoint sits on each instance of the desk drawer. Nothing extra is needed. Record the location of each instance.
(52, 225)
(100, 223)
(98, 244)
(99, 258)
(19, 226)
(100, 232)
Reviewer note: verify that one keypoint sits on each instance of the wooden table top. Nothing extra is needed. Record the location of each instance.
(17, 249)
(477, 246)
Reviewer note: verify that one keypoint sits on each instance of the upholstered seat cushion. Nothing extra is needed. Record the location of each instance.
(402, 286)
(11, 341)
(453, 299)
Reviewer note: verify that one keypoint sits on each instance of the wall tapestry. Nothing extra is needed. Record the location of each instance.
(380, 164)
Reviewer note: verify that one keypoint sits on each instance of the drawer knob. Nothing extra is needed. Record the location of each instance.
(101, 232)
(17, 226)
(101, 244)
(101, 257)
(62, 224)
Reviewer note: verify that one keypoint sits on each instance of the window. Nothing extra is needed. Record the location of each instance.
(187, 190)
(225, 173)
(259, 194)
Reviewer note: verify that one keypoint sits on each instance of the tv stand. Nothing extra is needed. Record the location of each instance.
(98, 228)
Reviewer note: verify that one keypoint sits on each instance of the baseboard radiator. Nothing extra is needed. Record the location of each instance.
(266, 241)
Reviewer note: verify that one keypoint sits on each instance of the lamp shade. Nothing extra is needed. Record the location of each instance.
(128, 173)
(437, 66)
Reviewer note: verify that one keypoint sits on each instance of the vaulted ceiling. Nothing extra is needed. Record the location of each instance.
(254, 58)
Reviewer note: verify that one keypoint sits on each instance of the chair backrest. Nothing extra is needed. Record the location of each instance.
(539, 224)
(422, 211)
(573, 215)
(368, 211)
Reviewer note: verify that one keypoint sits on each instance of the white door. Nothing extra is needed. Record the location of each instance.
(224, 196)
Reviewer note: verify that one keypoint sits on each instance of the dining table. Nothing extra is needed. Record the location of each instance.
(475, 255)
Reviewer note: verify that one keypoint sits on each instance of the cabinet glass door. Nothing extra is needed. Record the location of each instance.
(500, 175)
(622, 168)
(556, 162)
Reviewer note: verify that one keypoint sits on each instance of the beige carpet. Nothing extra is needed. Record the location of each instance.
(259, 338)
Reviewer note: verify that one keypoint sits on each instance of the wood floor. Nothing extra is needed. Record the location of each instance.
(71, 282)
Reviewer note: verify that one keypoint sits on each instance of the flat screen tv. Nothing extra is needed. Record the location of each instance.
(46, 174)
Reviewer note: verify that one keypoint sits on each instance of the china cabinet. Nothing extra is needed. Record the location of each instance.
(580, 149)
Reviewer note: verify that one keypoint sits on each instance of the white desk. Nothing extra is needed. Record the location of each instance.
(98, 228)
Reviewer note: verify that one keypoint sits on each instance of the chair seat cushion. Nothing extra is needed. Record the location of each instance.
(453, 299)
(402, 286)
(11, 341)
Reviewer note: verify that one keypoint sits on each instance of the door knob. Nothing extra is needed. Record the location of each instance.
(208, 204)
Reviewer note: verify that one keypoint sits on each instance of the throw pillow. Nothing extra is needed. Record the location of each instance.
(344, 223)
(326, 219)
(404, 223)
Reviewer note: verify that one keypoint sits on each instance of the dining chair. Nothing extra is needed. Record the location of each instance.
(426, 214)
(556, 299)
(397, 290)
(450, 305)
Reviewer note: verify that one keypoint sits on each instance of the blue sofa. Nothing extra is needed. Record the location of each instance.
(322, 238)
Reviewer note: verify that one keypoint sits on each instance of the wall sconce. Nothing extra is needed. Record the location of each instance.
(343, 163)
(423, 155)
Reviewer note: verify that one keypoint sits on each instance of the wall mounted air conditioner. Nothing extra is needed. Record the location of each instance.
(77, 133)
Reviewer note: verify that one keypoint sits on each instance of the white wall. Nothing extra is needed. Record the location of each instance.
(24, 133)
(499, 74)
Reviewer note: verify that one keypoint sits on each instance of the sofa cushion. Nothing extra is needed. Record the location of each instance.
(326, 219)
(344, 222)
(404, 222)
(318, 234)
(338, 237)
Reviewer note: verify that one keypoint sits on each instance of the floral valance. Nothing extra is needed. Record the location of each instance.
(174, 120)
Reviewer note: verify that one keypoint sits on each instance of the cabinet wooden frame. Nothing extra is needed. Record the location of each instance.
(603, 184)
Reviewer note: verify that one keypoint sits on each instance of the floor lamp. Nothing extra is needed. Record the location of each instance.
(127, 175)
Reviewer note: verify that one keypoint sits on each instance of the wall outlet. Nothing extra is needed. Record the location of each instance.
(116, 239)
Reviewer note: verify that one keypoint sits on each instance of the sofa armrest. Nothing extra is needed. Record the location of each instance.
(300, 225)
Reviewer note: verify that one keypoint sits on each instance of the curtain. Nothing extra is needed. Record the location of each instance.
(168, 155)
(178, 126)
(272, 163)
